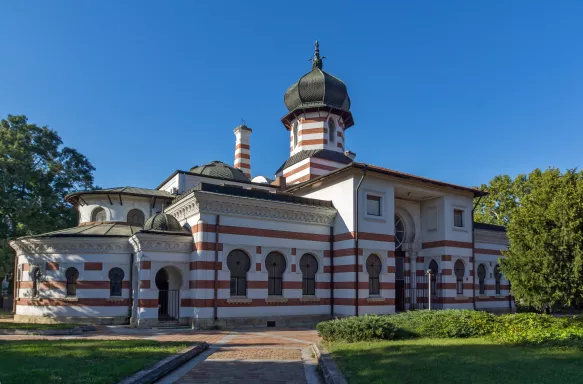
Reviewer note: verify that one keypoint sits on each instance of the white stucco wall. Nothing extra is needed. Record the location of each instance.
(116, 211)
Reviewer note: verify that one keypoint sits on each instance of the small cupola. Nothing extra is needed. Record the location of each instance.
(220, 170)
(163, 222)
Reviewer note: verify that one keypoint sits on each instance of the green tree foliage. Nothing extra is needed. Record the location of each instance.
(504, 195)
(545, 258)
(36, 172)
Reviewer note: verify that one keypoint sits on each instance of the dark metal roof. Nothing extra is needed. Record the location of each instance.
(163, 222)
(131, 191)
(102, 229)
(317, 88)
(326, 154)
(258, 194)
(389, 172)
(220, 170)
(489, 227)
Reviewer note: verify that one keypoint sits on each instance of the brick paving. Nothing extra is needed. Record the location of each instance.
(263, 340)
(210, 338)
(248, 372)
(255, 356)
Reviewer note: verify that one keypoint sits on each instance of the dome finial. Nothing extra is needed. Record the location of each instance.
(317, 61)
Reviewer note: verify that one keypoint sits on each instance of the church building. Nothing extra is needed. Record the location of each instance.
(212, 246)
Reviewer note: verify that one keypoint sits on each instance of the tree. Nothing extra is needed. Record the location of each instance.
(36, 172)
(545, 256)
(504, 195)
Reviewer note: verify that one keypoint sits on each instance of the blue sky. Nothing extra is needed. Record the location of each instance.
(453, 90)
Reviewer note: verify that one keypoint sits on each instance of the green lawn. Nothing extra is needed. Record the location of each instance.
(30, 326)
(452, 361)
(78, 361)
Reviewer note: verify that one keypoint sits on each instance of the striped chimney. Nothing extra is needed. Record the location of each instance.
(243, 149)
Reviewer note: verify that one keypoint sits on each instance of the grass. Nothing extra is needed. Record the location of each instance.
(437, 361)
(31, 326)
(78, 361)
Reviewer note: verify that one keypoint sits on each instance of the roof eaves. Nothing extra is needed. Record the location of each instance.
(385, 171)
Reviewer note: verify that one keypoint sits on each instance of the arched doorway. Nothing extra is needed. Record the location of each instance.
(168, 281)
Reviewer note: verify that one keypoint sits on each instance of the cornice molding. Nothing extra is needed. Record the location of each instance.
(185, 208)
(69, 246)
(208, 202)
(161, 243)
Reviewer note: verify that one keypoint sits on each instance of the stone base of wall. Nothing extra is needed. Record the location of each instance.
(308, 321)
(280, 321)
(118, 320)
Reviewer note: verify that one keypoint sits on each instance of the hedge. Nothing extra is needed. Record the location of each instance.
(532, 328)
(368, 327)
(522, 328)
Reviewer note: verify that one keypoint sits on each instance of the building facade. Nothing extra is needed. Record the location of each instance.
(328, 237)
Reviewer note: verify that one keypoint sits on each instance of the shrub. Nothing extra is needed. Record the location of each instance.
(441, 324)
(532, 328)
(521, 328)
(351, 329)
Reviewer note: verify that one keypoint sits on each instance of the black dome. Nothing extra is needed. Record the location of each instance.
(163, 222)
(221, 170)
(317, 88)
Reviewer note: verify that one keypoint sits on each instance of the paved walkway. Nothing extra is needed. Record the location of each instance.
(255, 356)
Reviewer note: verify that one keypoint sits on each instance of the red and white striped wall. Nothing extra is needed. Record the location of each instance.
(307, 169)
(243, 149)
(93, 288)
(317, 131)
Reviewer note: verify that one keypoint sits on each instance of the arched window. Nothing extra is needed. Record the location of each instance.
(98, 214)
(373, 267)
(498, 277)
(35, 276)
(116, 276)
(136, 218)
(399, 232)
(434, 271)
(275, 264)
(331, 130)
(238, 263)
(295, 133)
(482, 278)
(459, 270)
(72, 274)
(309, 267)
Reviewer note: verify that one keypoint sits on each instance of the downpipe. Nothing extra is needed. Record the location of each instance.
(474, 255)
(356, 220)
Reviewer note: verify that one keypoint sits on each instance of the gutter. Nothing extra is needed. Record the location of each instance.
(474, 255)
(356, 220)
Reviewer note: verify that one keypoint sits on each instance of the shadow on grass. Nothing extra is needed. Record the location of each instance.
(456, 361)
(78, 361)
